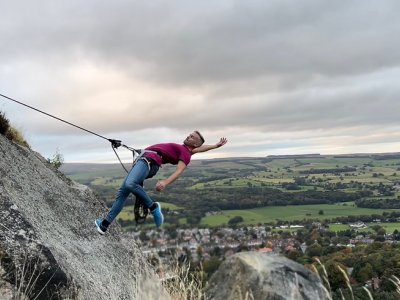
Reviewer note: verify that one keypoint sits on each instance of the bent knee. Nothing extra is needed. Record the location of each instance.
(133, 186)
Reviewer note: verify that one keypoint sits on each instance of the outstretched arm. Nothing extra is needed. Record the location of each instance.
(162, 184)
(204, 148)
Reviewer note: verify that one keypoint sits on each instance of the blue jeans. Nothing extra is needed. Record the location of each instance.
(133, 183)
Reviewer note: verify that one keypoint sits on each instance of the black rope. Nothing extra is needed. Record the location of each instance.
(59, 119)
(114, 143)
(119, 159)
(140, 210)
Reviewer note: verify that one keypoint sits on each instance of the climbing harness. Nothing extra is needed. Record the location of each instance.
(140, 210)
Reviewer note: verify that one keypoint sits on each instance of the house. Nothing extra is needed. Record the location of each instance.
(265, 250)
(358, 225)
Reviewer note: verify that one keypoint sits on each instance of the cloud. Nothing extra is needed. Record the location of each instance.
(189, 42)
(245, 69)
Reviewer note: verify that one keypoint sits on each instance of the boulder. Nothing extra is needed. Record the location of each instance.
(254, 275)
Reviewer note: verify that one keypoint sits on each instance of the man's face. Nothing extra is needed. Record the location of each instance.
(193, 140)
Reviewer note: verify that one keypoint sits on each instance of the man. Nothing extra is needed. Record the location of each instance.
(147, 166)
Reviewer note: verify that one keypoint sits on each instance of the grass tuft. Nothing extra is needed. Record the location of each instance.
(346, 277)
(324, 275)
(396, 281)
(16, 136)
(4, 123)
(368, 292)
(181, 283)
(10, 132)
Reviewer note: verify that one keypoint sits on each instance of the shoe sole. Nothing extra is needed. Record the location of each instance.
(98, 228)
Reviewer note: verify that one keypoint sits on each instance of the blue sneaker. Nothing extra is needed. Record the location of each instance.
(100, 228)
(157, 215)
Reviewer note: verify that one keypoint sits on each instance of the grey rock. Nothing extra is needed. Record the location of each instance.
(49, 247)
(254, 275)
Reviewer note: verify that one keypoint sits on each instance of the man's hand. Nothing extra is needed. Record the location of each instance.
(160, 186)
(221, 142)
(204, 148)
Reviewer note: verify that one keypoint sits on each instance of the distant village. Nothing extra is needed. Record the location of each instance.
(201, 243)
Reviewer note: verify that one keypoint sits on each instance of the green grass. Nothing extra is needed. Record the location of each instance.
(271, 214)
(104, 181)
(389, 227)
(338, 227)
(280, 171)
(91, 175)
(127, 212)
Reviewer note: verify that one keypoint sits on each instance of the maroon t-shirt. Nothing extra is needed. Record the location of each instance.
(169, 153)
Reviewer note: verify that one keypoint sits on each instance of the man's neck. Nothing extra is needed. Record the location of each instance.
(189, 147)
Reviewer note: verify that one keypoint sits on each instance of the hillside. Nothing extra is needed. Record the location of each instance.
(372, 181)
(49, 248)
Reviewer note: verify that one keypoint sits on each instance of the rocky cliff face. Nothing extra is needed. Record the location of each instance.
(49, 247)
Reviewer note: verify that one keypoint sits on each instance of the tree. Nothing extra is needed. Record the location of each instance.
(200, 252)
(294, 254)
(57, 160)
(314, 250)
(335, 276)
(210, 266)
(216, 251)
(193, 219)
(362, 272)
(235, 220)
(381, 231)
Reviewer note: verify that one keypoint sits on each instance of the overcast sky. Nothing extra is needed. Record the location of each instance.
(274, 77)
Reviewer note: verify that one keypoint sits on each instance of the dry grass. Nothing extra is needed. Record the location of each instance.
(4, 123)
(30, 278)
(396, 281)
(10, 132)
(182, 284)
(324, 277)
(16, 136)
(347, 280)
(368, 293)
(25, 274)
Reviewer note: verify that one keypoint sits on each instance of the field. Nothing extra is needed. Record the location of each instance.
(289, 213)
(278, 213)
(240, 172)
(378, 174)
(389, 227)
